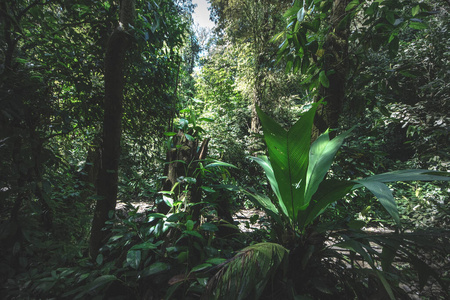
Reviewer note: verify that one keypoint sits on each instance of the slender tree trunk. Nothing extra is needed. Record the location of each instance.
(21, 180)
(258, 92)
(257, 96)
(118, 44)
(336, 59)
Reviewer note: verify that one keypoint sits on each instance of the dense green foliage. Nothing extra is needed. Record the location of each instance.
(221, 127)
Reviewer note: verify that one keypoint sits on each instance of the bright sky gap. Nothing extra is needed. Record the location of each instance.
(201, 14)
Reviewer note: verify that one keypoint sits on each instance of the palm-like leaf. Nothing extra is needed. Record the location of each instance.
(246, 275)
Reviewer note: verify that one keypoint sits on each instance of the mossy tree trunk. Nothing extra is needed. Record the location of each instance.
(336, 61)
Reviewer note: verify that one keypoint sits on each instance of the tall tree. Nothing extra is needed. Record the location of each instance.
(325, 40)
(115, 64)
(336, 66)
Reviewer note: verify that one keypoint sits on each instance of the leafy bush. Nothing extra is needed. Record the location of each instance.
(296, 172)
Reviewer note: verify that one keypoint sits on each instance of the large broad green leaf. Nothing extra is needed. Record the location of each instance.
(264, 162)
(409, 175)
(266, 204)
(276, 138)
(289, 154)
(376, 185)
(329, 191)
(384, 195)
(321, 156)
(146, 246)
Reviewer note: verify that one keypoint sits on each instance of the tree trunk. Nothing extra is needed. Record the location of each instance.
(258, 94)
(182, 160)
(118, 44)
(336, 59)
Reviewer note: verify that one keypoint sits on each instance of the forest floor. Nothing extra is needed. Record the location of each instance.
(249, 220)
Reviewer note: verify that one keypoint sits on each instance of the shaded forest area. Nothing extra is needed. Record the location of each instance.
(298, 150)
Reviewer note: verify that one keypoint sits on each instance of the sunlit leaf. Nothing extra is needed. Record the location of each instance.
(134, 258)
(206, 120)
(145, 246)
(410, 175)
(189, 225)
(351, 5)
(168, 200)
(418, 25)
(323, 79)
(301, 14)
(289, 154)
(321, 156)
(189, 137)
(291, 11)
(218, 163)
(263, 161)
(170, 133)
(415, 10)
